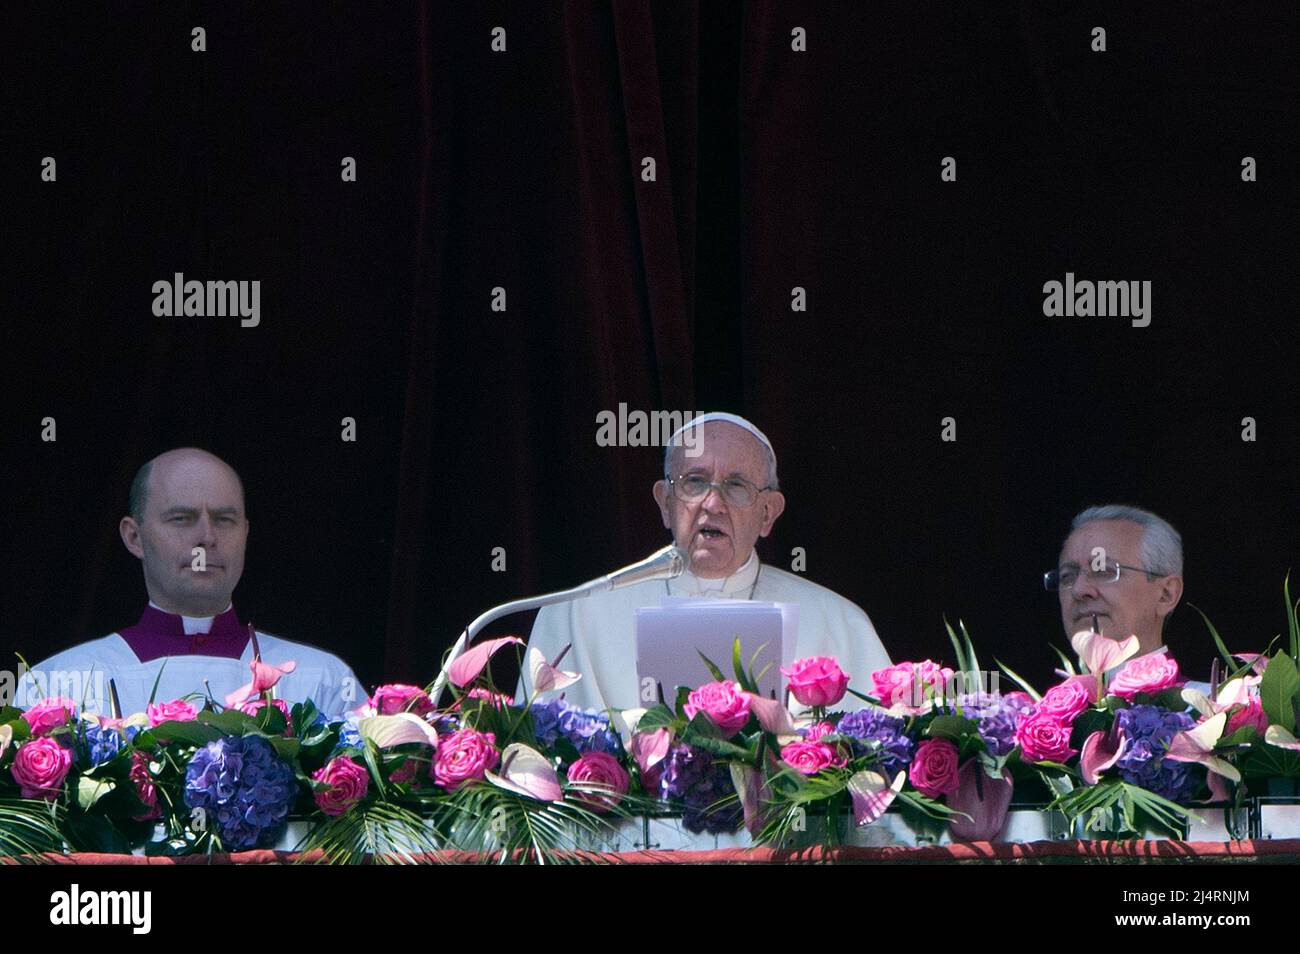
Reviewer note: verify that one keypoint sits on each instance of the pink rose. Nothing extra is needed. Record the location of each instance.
(1065, 701)
(1252, 714)
(395, 698)
(40, 767)
(1043, 738)
(144, 787)
(348, 783)
(600, 768)
(818, 681)
(723, 702)
(252, 708)
(1150, 673)
(817, 731)
(50, 714)
(933, 771)
(178, 710)
(910, 687)
(809, 758)
(463, 757)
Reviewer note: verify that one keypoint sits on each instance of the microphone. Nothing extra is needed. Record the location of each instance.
(663, 564)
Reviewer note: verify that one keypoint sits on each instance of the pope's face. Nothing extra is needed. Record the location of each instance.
(718, 535)
(1131, 605)
(193, 501)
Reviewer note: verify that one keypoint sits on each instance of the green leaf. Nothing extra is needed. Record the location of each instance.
(658, 716)
(1277, 691)
(1292, 625)
(91, 790)
(962, 664)
(1018, 680)
(1270, 761)
(230, 721)
(287, 749)
(951, 727)
(717, 673)
(1231, 663)
(738, 665)
(190, 732)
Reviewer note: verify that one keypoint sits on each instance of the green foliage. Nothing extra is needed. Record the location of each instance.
(1277, 691)
(1114, 805)
(29, 827)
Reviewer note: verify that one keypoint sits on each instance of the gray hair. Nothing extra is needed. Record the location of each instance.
(1162, 547)
(771, 483)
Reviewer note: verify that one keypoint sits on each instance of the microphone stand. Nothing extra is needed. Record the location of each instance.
(638, 572)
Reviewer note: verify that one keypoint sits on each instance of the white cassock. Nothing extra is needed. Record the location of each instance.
(601, 629)
(82, 673)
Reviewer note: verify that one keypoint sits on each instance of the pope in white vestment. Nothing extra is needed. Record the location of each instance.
(719, 494)
(602, 631)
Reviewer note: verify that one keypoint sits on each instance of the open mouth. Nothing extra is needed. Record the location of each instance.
(711, 533)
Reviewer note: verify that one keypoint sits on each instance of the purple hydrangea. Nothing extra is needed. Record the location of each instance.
(691, 778)
(1148, 730)
(588, 731)
(876, 731)
(102, 743)
(995, 715)
(244, 788)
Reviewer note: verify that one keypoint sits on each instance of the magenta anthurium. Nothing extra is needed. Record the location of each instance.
(1197, 745)
(650, 748)
(747, 782)
(1100, 751)
(981, 803)
(773, 717)
(398, 729)
(547, 677)
(265, 676)
(872, 794)
(526, 771)
(465, 668)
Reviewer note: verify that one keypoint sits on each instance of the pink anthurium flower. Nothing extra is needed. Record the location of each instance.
(982, 801)
(6, 737)
(1099, 653)
(747, 782)
(650, 748)
(773, 717)
(265, 676)
(466, 667)
(1234, 692)
(527, 772)
(1197, 745)
(547, 677)
(1100, 751)
(872, 793)
(397, 729)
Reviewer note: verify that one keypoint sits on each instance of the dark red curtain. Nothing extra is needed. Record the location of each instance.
(517, 177)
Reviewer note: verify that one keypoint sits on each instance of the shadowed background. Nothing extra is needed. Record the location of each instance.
(775, 169)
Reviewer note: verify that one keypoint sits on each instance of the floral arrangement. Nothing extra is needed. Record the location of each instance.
(1123, 745)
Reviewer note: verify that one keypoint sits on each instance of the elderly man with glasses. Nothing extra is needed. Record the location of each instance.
(718, 495)
(1123, 566)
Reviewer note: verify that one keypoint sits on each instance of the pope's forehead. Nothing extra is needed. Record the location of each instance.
(720, 444)
(1121, 539)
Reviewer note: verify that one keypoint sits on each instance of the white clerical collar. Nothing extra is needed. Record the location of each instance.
(738, 586)
(193, 624)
